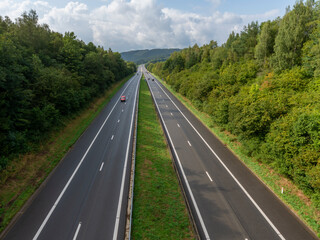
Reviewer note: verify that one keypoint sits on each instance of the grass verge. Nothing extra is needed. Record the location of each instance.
(292, 196)
(26, 173)
(159, 210)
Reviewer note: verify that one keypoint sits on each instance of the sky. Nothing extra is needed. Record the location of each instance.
(125, 25)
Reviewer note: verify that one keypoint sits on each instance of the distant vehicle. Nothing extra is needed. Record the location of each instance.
(152, 79)
(123, 98)
(148, 78)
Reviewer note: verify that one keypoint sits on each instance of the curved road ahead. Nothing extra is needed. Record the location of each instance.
(86, 196)
(227, 200)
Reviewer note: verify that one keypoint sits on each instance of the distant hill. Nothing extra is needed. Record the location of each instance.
(144, 56)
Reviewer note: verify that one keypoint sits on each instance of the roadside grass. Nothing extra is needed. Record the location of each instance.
(26, 173)
(159, 210)
(292, 196)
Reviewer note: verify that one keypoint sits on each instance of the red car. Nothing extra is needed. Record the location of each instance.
(123, 98)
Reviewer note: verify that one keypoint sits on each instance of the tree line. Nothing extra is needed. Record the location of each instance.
(46, 77)
(262, 85)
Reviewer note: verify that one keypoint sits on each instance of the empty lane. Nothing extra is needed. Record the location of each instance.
(228, 201)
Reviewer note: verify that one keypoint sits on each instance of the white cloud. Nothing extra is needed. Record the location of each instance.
(14, 9)
(74, 17)
(135, 24)
(131, 25)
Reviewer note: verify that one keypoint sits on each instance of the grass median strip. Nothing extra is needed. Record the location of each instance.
(159, 210)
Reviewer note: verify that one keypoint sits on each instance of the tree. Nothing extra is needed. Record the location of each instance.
(293, 33)
(265, 46)
(46, 77)
(311, 51)
(71, 54)
(15, 98)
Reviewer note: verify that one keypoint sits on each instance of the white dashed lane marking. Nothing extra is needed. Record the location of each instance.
(101, 166)
(209, 176)
(77, 232)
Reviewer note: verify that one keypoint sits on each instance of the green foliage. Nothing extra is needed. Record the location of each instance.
(311, 51)
(71, 53)
(295, 79)
(262, 86)
(252, 111)
(266, 39)
(218, 57)
(293, 32)
(293, 148)
(159, 211)
(144, 56)
(45, 77)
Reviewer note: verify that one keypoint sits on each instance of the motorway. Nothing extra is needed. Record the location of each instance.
(227, 200)
(86, 195)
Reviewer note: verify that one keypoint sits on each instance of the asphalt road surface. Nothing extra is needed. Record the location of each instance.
(86, 196)
(227, 200)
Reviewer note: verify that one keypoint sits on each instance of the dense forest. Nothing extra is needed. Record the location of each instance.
(262, 85)
(46, 77)
(144, 56)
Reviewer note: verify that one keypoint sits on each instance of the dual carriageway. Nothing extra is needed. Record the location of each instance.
(86, 196)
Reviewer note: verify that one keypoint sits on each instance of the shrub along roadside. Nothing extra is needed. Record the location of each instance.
(159, 211)
(25, 173)
(295, 199)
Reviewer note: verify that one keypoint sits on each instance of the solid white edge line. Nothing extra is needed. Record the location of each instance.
(101, 166)
(74, 172)
(231, 174)
(184, 176)
(116, 226)
(209, 176)
(134, 166)
(77, 232)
